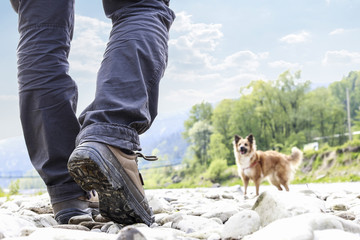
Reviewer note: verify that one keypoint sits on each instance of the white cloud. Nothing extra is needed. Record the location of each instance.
(285, 65)
(186, 97)
(342, 57)
(241, 61)
(296, 38)
(197, 72)
(193, 48)
(200, 36)
(88, 45)
(337, 31)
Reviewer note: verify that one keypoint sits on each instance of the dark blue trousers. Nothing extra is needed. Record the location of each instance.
(126, 99)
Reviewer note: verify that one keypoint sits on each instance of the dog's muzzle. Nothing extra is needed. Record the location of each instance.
(243, 150)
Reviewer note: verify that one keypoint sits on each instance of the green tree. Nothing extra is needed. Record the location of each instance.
(356, 121)
(220, 141)
(352, 82)
(198, 130)
(199, 112)
(199, 135)
(219, 148)
(324, 116)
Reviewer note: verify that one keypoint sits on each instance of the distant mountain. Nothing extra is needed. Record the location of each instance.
(164, 136)
(14, 159)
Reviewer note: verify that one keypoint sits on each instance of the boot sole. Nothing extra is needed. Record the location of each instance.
(116, 202)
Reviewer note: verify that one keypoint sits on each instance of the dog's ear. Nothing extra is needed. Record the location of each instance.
(237, 138)
(250, 138)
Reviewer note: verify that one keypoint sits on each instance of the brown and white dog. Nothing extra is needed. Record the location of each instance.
(257, 165)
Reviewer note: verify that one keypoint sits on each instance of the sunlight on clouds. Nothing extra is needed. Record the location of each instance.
(193, 43)
(285, 65)
(342, 57)
(337, 31)
(199, 70)
(193, 49)
(296, 38)
(187, 97)
(88, 45)
(242, 61)
(200, 36)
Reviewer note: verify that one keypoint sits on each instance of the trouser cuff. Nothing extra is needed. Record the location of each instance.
(120, 136)
(64, 192)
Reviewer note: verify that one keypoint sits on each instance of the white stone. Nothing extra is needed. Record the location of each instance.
(2, 200)
(161, 233)
(159, 205)
(190, 224)
(335, 234)
(241, 224)
(11, 206)
(303, 227)
(273, 205)
(223, 209)
(11, 226)
(40, 205)
(45, 220)
(169, 218)
(214, 236)
(66, 234)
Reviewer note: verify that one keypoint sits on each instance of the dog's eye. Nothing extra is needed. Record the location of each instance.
(245, 144)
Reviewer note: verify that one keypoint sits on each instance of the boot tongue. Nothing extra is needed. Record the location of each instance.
(129, 164)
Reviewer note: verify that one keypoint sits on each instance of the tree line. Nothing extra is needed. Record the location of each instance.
(281, 113)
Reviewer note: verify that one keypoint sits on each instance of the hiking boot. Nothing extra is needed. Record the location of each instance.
(116, 178)
(84, 205)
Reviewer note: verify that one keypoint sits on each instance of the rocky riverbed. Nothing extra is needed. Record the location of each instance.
(313, 211)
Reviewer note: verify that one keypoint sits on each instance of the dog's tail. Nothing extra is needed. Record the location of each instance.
(296, 157)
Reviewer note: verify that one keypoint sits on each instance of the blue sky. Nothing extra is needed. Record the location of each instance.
(215, 48)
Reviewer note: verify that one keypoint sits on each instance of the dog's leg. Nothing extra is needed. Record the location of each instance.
(246, 183)
(274, 181)
(285, 184)
(257, 186)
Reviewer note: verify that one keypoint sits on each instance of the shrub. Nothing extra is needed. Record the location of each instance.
(14, 187)
(216, 170)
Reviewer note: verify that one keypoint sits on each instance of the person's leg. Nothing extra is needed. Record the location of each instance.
(48, 95)
(135, 59)
(125, 106)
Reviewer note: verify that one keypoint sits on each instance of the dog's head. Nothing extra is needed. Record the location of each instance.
(244, 146)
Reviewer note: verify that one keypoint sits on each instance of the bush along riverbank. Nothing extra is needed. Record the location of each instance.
(331, 164)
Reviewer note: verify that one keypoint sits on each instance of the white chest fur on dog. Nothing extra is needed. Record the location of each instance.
(245, 163)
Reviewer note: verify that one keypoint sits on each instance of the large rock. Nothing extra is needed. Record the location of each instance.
(241, 224)
(67, 234)
(305, 227)
(274, 205)
(159, 204)
(335, 234)
(160, 233)
(198, 227)
(223, 209)
(11, 226)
